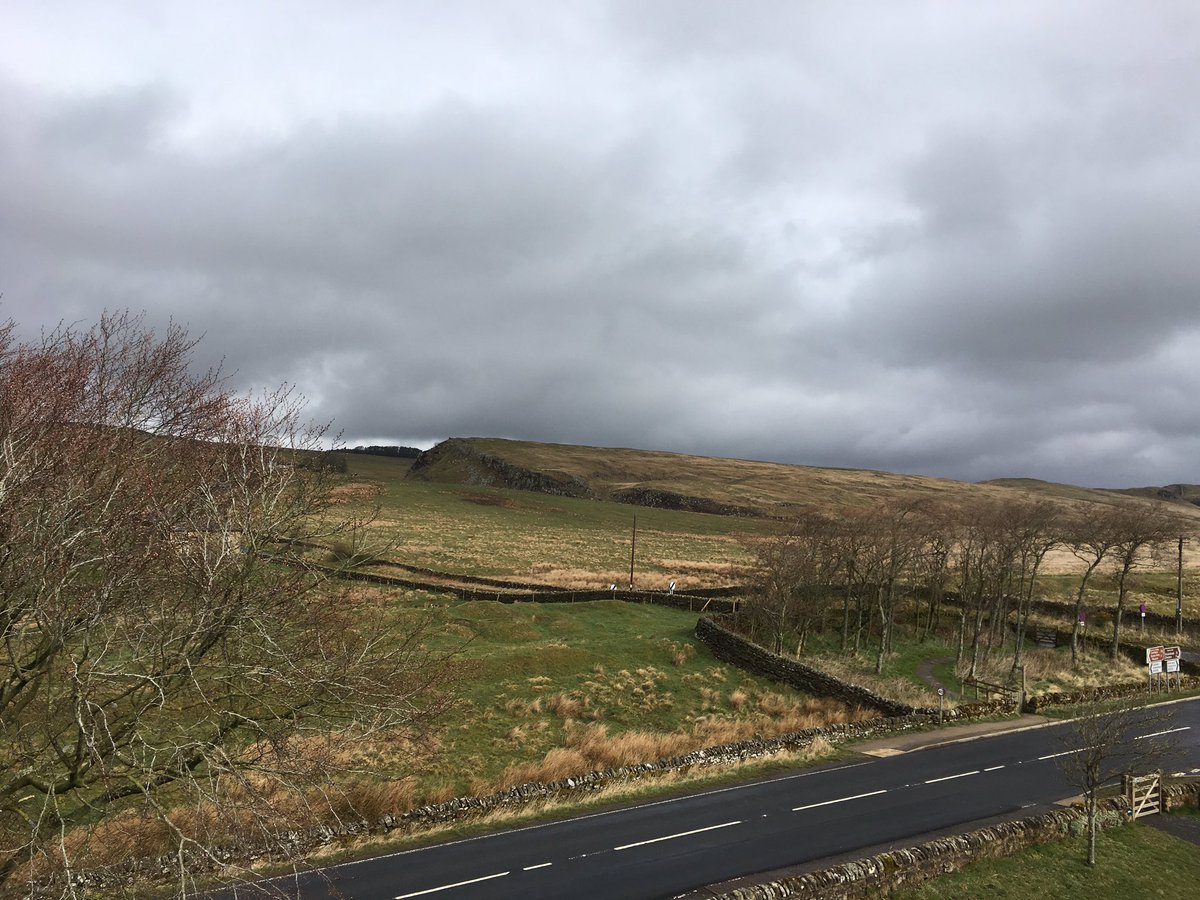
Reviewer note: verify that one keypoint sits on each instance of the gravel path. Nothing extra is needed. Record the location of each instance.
(925, 671)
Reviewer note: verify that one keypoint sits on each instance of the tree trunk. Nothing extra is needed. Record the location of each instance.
(1121, 589)
(1091, 828)
(883, 629)
(846, 614)
(1075, 627)
(1023, 609)
(962, 631)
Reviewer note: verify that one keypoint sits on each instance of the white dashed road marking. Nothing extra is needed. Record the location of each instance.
(446, 887)
(1142, 737)
(951, 777)
(671, 837)
(839, 800)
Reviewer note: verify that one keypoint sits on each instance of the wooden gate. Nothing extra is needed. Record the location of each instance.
(1143, 793)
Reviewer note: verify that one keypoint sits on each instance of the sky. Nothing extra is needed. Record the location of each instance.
(954, 239)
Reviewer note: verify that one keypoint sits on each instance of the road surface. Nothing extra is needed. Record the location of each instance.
(668, 847)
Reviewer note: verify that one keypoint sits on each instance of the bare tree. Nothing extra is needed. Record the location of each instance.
(792, 578)
(1106, 740)
(155, 657)
(894, 544)
(1137, 529)
(1035, 528)
(1091, 538)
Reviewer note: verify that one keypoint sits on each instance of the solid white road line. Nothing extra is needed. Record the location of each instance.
(952, 777)
(1161, 733)
(671, 837)
(839, 800)
(446, 887)
(538, 866)
(993, 768)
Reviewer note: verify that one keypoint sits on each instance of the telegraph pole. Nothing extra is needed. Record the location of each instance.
(1179, 591)
(632, 550)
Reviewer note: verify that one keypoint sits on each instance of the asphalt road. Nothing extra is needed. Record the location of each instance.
(666, 848)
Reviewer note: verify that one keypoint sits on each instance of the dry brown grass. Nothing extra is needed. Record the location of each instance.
(523, 709)
(592, 748)
(567, 706)
(889, 686)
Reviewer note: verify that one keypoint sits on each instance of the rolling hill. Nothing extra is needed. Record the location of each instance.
(706, 484)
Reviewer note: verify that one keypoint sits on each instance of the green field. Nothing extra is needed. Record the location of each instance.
(1135, 860)
(537, 537)
(547, 688)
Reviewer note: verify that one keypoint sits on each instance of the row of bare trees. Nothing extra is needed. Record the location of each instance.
(154, 661)
(854, 570)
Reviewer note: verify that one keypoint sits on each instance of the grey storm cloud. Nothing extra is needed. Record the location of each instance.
(954, 240)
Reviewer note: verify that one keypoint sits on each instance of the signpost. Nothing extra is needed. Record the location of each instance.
(1171, 657)
(941, 704)
(1154, 663)
(1142, 607)
(1160, 660)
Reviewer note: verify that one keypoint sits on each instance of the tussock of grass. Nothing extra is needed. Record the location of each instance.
(593, 748)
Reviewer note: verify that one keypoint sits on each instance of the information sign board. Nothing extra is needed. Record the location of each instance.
(1155, 654)
(1156, 667)
(1171, 653)
(1172, 665)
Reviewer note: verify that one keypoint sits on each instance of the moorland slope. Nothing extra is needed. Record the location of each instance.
(707, 484)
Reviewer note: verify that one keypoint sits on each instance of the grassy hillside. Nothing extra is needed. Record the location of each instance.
(528, 536)
(458, 514)
(771, 489)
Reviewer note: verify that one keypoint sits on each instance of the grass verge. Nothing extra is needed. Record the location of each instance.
(1134, 860)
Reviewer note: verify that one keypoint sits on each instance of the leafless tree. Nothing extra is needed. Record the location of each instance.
(1035, 530)
(1104, 741)
(895, 542)
(982, 561)
(1092, 538)
(1137, 528)
(792, 577)
(156, 659)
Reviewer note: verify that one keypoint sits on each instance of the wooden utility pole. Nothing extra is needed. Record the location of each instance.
(632, 551)
(1179, 591)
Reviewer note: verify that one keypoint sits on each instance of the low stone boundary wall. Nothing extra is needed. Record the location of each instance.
(461, 809)
(1112, 692)
(719, 601)
(740, 651)
(733, 648)
(880, 875)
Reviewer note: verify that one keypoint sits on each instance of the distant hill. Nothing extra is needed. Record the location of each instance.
(699, 483)
(1181, 493)
(389, 450)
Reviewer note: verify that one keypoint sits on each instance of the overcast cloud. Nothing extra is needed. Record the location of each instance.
(952, 239)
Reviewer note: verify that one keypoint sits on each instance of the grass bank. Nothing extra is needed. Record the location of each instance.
(1134, 860)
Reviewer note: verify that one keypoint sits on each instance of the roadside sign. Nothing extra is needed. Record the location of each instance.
(1156, 667)
(1171, 653)
(1172, 665)
(1156, 654)
(941, 692)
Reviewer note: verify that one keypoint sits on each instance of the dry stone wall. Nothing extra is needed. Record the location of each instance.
(887, 872)
(731, 647)
(296, 843)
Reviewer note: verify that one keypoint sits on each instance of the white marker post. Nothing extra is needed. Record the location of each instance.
(941, 704)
